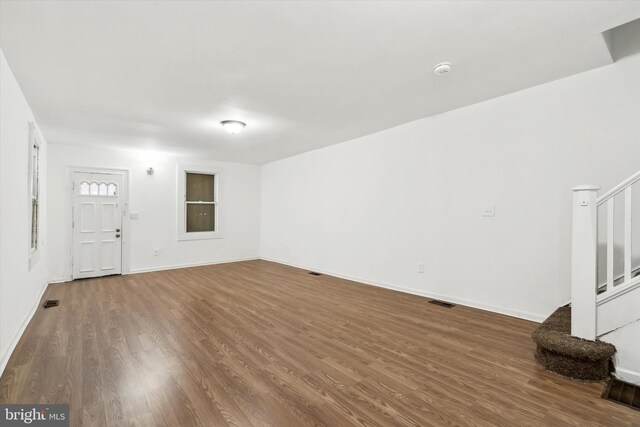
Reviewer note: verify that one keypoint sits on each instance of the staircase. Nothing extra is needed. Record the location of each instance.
(558, 351)
(605, 311)
(595, 314)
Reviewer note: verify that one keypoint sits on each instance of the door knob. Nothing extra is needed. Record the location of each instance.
(117, 235)
(117, 230)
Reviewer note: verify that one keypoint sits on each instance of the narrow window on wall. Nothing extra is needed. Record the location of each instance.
(200, 204)
(34, 192)
(200, 211)
(35, 184)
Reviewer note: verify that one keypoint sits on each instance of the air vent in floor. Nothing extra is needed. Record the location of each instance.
(313, 273)
(442, 303)
(51, 303)
(623, 393)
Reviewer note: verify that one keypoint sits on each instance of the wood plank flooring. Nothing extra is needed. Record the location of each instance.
(261, 344)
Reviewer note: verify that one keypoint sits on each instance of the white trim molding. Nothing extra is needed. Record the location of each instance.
(628, 376)
(25, 322)
(168, 267)
(126, 220)
(461, 301)
(195, 264)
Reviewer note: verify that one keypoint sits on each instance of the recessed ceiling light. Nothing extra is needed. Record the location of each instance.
(233, 126)
(442, 68)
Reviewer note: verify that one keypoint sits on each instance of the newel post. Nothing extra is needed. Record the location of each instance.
(584, 273)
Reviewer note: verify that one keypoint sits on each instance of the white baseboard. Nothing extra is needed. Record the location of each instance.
(628, 375)
(23, 326)
(462, 301)
(167, 267)
(197, 264)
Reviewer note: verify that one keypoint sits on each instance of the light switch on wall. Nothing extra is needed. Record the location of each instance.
(489, 210)
(134, 215)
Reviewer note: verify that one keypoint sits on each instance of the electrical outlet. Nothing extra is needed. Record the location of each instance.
(156, 252)
(489, 210)
(421, 268)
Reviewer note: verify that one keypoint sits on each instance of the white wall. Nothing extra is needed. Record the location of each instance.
(20, 287)
(627, 359)
(154, 198)
(374, 207)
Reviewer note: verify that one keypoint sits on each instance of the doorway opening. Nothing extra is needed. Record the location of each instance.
(99, 222)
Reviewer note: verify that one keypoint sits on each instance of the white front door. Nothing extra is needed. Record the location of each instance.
(97, 224)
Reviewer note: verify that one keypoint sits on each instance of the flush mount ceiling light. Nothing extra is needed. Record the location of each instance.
(233, 126)
(442, 68)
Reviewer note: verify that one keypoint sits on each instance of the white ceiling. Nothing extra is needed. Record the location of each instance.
(161, 74)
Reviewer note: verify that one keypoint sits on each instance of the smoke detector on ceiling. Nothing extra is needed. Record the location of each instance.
(442, 68)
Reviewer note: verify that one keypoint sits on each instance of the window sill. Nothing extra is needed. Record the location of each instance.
(200, 236)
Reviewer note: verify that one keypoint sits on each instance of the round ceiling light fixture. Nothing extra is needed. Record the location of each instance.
(233, 126)
(442, 68)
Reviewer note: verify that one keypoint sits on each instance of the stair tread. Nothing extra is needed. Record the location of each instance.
(567, 355)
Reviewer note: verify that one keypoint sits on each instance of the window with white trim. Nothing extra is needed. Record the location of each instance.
(199, 212)
(200, 203)
(34, 193)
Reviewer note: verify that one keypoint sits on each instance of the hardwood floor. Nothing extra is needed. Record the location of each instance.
(261, 344)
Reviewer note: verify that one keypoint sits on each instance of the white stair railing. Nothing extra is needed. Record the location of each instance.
(585, 300)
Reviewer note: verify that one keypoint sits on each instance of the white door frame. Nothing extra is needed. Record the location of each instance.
(126, 221)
